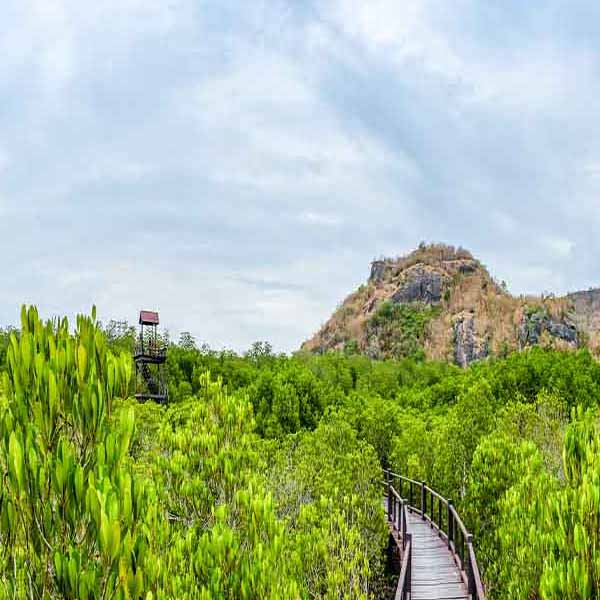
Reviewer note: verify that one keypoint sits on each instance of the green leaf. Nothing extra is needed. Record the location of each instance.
(115, 540)
(79, 491)
(16, 465)
(81, 361)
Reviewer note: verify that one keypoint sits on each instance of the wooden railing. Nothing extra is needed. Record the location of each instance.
(417, 497)
(397, 510)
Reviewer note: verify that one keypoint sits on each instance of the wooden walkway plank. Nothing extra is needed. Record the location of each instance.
(435, 575)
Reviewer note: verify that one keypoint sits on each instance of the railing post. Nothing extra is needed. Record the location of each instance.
(389, 494)
(423, 500)
(469, 567)
(403, 521)
(409, 570)
(450, 525)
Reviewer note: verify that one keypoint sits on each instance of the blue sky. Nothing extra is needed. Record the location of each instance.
(237, 165)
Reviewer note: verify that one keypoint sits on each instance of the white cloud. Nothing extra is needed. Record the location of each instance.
(320, 219)
(422, 35)
(118, 169)
(560, 247)
(268, 127)
(403, 30)
(53, 39)
(4, 160)
(591, 169)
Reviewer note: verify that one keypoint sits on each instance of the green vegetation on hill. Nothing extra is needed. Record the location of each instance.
(261, 478)
(398, 330)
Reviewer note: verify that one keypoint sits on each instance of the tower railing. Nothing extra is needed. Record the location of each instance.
(150, 348)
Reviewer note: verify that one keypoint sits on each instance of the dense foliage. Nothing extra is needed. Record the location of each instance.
(103, 498)
(260, 479)
(399, 329)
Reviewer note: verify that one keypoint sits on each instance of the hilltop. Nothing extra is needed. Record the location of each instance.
(441, 302)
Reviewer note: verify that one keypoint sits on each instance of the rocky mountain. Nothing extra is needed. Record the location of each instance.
(440, 302)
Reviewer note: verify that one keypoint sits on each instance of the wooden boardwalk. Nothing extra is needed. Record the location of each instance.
(434, 548)
(435, 575)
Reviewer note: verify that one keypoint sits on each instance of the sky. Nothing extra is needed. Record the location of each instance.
(238, 165)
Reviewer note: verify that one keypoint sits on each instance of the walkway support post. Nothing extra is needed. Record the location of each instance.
(450, 525)
(423, 499)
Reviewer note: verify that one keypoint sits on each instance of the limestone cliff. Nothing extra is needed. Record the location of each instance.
(441, 302)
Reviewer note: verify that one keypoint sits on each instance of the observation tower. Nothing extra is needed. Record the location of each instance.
(150, 356)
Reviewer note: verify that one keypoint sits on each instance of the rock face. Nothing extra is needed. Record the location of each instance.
(563, 330)
(586, 300)
(442, 302)
(468, 267)
(419, 286)
(377, 270)
(467, 347)
(586, 310)
(534, 325)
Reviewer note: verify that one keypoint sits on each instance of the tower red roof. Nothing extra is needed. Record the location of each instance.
(148, 317)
